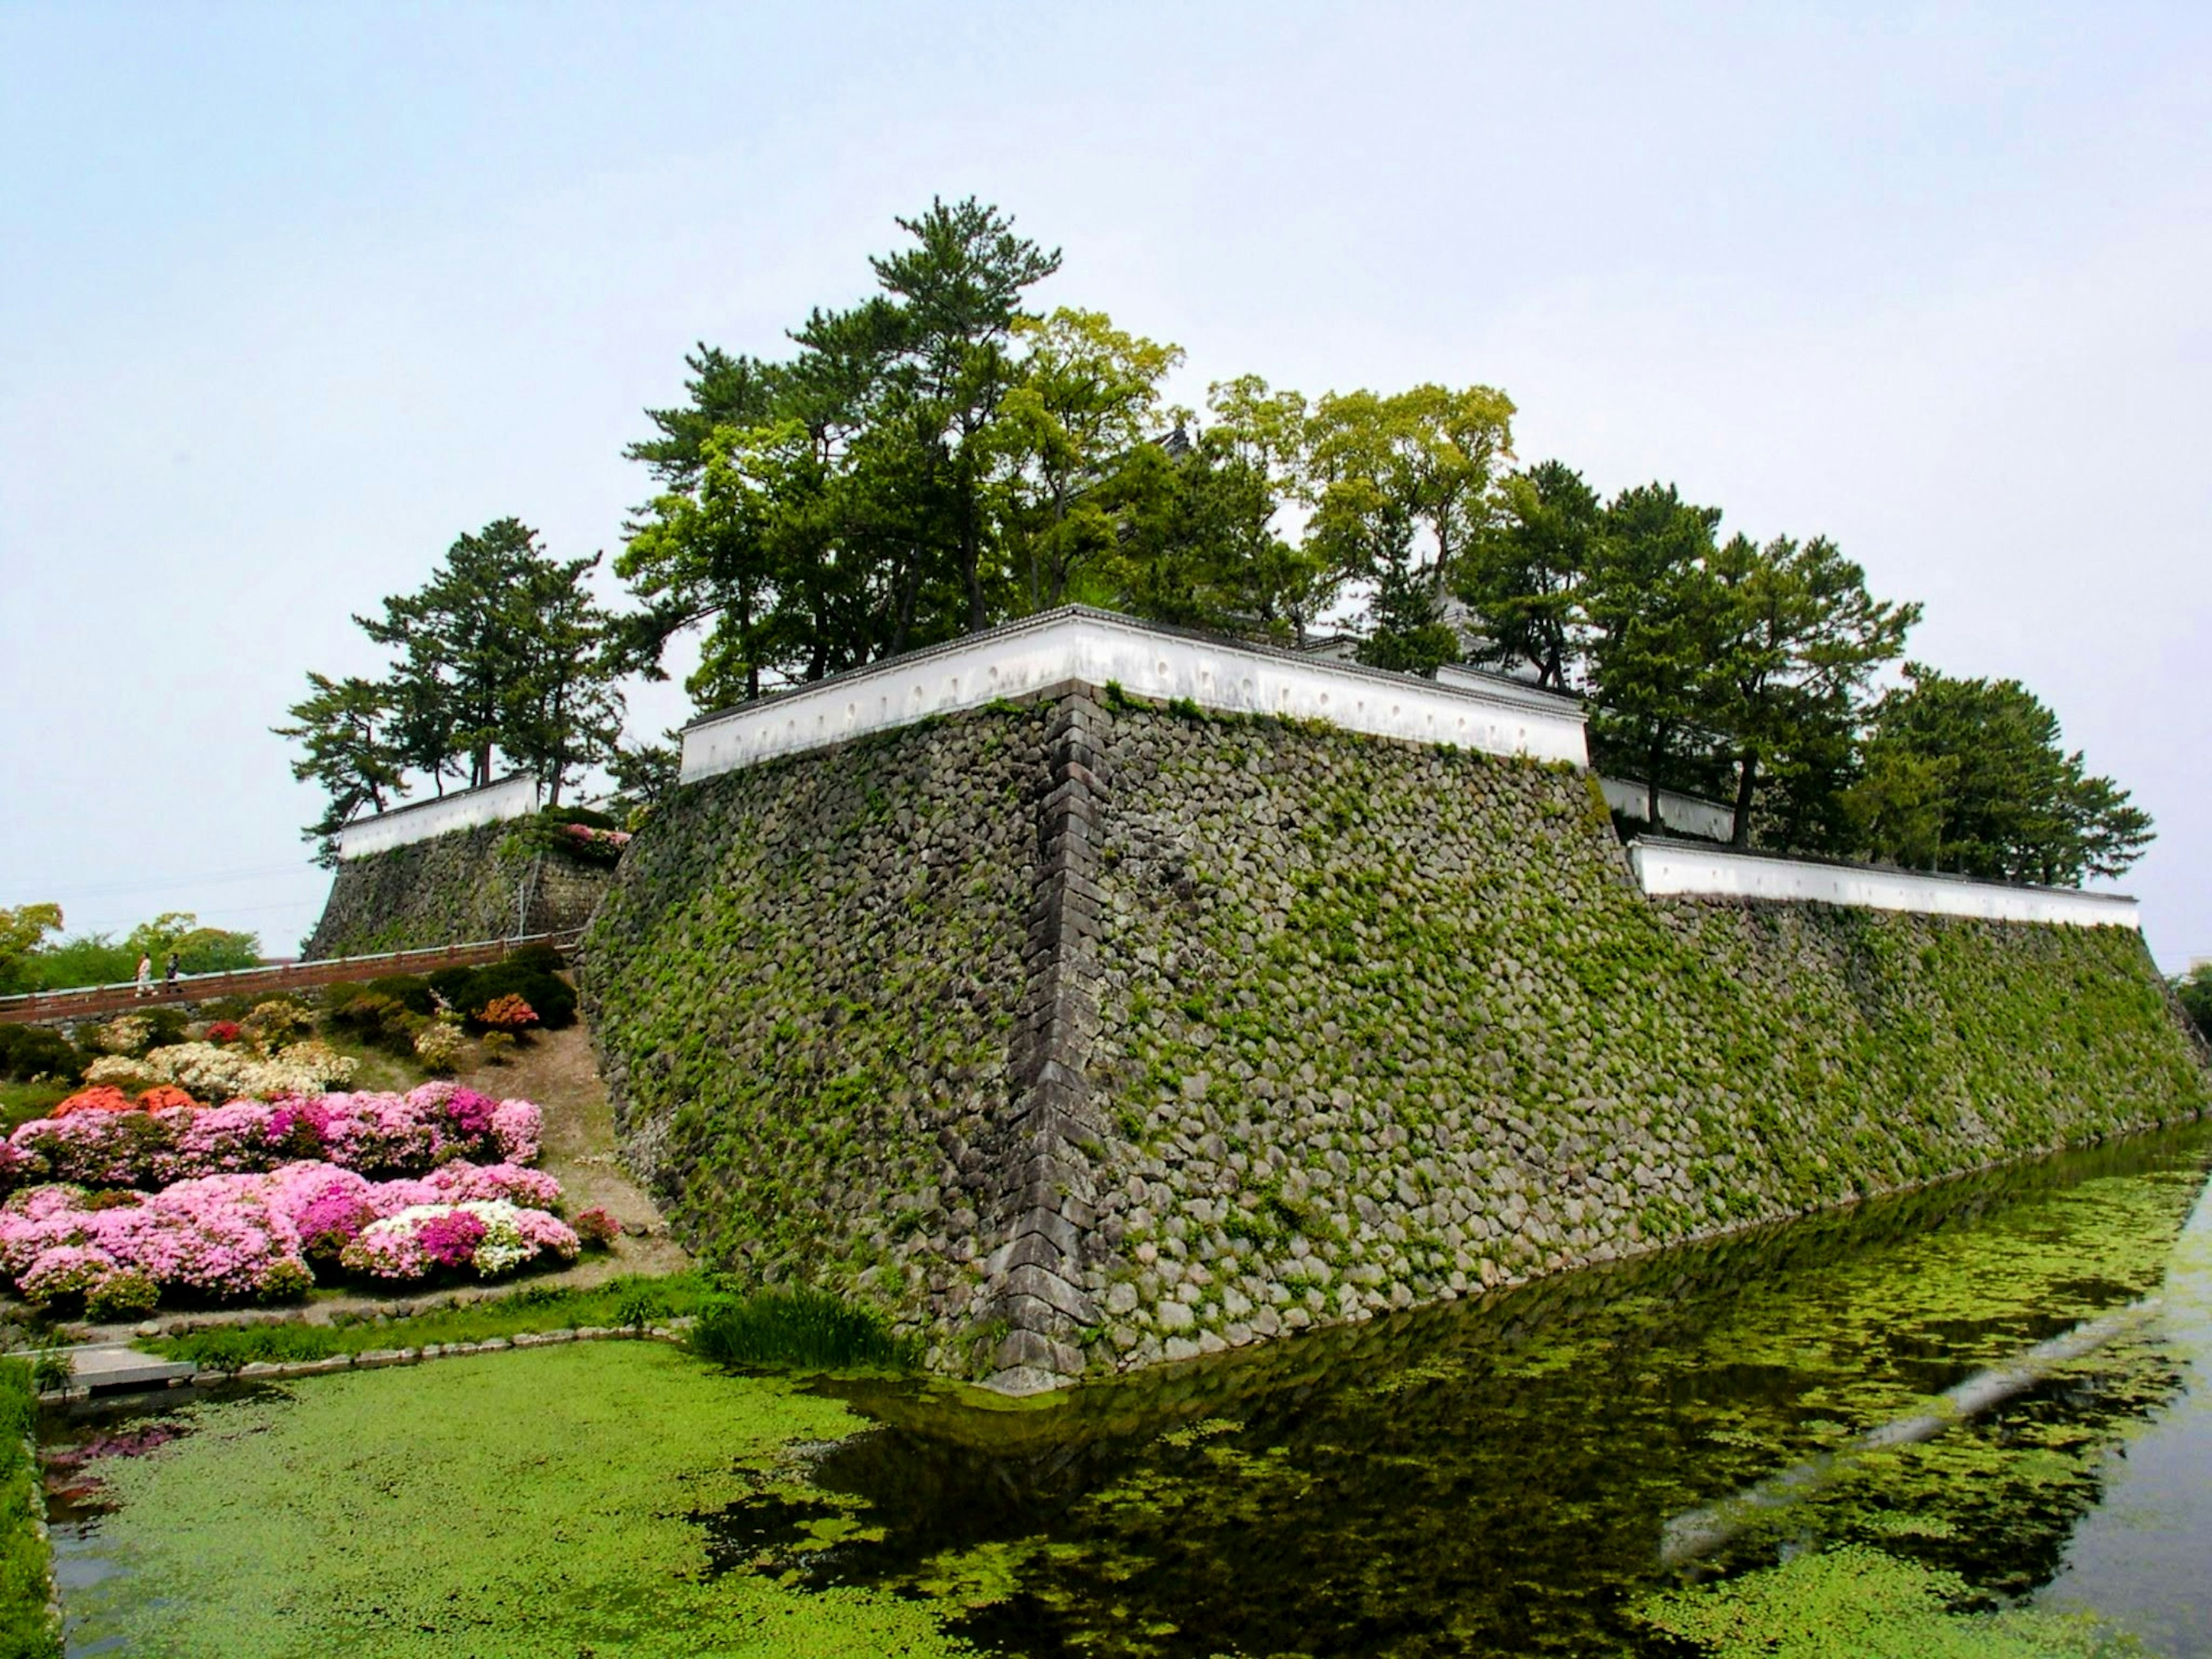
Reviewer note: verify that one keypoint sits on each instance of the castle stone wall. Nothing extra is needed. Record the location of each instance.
(1084, 1034)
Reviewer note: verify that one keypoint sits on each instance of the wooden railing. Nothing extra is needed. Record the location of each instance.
(85, 1001)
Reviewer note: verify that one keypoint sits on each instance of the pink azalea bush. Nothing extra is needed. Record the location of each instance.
(371, 1132)
(231, 1237)
(489, 1236)
(208, 1237)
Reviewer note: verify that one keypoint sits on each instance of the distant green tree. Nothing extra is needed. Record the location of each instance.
(1084, 401)
(22, 929)
(199, 950)
(1202, 542)
(1799, 637)
(1402, 487)
(1524, 575)
(1973, 776)
(461, 637)
(644, 775)
(1658, 618)
(725, 392)
(560, 710)
(865, 498)
(346, 727)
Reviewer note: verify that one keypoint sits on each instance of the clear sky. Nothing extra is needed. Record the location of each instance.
(290, 296)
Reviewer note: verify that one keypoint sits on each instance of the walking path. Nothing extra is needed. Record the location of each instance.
(87, 1000)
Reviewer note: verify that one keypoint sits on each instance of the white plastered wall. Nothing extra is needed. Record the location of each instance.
(1095, 649)
(510, 798)
(1675, 869)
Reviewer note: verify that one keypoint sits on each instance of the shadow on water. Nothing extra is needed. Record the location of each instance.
(1496, 1476)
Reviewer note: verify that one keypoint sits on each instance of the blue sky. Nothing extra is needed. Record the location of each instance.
(290, 296)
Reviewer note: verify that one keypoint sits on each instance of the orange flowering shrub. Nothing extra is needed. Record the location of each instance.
(165, 1098)
(107, 1099)
(507, 1013)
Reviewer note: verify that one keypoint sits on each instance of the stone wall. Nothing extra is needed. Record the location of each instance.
(453, 888)
(806, 984)
(1086, 1033)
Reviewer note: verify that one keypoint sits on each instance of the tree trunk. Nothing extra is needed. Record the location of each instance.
(1747, 781)
(1651, 788)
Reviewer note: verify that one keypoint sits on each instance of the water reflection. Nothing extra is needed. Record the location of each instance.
(2139, 1557)
(1497, 1478)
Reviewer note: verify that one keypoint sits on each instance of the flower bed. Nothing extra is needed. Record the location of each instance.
(100, 1144)
(258, 1236)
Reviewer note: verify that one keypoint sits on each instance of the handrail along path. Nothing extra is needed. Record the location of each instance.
(83, 1002)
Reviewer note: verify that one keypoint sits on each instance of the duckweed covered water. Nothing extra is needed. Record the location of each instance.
(1493, 1479)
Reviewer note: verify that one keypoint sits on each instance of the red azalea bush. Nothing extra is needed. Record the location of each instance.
(507, 1013)
(596, 1228)
(222, 1031)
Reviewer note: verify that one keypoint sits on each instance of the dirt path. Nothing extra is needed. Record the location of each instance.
(557, 1070)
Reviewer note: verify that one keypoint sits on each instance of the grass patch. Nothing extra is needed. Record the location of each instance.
(22, 1101)
(804, 1329)
(631, 1300)
(25, 1633)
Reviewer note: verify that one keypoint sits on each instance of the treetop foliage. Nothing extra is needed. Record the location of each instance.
(945, 453)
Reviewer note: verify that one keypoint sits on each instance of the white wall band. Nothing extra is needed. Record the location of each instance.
(1093, 647)
(1677, 869)
(510, 798)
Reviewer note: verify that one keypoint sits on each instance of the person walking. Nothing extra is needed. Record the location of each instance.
(145, 976)
(170, 979)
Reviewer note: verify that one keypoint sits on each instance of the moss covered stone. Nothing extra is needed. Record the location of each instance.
(458, 888)
(1360, 1025)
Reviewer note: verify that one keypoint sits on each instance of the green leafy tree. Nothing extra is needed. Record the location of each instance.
(347, 729)
(646, 775)
(725, 392)
(199, 950)
(1401, 486)
(1068, 432)
(503, 652)
(945, 367)
(1524, 574)
(1658, 617)
(560, 710)
(855, 502)
(1203, 542)
(461, 640)
(22, 930)
(1969, 775)
(1800, 636)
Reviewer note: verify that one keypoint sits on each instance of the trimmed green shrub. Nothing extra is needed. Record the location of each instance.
(30, 1051)
(411, 991)
(469, 989)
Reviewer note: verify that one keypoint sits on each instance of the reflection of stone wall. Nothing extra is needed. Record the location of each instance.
(1086, 1036)
(454, 889)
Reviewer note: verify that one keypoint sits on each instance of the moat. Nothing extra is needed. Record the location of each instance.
(1560, 1469)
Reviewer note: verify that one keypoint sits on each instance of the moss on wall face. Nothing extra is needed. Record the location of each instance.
(804, 984)
(1375, 1025)
(451, 890)
(1383, 1025)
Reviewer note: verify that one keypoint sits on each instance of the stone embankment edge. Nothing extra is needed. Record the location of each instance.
(369, 1359)
(1035, 1282)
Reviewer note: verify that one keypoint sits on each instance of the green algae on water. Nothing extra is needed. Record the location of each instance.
(1859, 1603)
(525, 1505)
